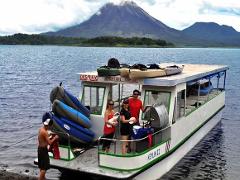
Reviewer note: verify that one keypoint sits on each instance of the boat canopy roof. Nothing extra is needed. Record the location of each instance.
(191, 72)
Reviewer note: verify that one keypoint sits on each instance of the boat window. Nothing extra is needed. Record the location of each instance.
(179, 109)
(93, 98)
(118, 92)
(153, 97)
(157, 97)
(203, 90)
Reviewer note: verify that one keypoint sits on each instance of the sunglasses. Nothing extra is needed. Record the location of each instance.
(135, 94)
(110, 104)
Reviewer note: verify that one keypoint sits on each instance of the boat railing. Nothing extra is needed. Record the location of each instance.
(68, 147)
(137, 145)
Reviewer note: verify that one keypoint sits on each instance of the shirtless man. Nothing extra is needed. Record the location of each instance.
(43, 142)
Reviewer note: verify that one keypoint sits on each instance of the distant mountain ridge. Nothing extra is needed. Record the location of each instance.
(213, 32)
(129, 20)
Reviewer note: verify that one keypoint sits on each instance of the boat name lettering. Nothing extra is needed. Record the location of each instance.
(84, 77)
(154, 154)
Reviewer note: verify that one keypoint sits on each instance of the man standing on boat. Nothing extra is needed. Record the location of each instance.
(135, 105)
(43, 142)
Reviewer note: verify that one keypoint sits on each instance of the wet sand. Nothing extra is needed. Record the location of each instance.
(5, 175)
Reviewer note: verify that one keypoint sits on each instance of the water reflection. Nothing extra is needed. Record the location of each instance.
(205, 161)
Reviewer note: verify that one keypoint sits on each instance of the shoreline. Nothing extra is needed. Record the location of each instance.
(6, 175)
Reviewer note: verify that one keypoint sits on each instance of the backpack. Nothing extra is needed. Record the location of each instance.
(113, 63)
(139, 66)
(153, 66)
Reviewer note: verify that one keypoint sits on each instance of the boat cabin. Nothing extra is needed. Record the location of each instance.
(180, 94)
(173, 97)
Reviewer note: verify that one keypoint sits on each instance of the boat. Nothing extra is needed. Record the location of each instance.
(173, 69)
(175, 123)
(155, 70)
(148, 73)
(66, 111)
(76, 132)
(63, 95)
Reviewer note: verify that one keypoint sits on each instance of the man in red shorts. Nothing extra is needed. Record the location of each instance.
(135, 105)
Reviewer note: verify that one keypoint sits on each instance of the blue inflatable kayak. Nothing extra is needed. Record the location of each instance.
(63, 110)
(81, 108)
(75, 131)
(61, 94)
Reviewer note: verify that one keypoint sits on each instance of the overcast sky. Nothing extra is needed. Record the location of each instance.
(36, 16)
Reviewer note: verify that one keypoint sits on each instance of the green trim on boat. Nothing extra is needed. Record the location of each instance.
(169, 152)
(69, 151)
(136, 154)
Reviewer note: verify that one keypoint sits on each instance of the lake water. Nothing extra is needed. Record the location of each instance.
(28, 74)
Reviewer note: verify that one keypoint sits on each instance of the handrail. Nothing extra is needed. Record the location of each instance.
(68, 136)
(120, 140)
(100, 138)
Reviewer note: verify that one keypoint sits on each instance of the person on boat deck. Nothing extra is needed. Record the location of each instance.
(135, 105)
(125, 128)
(109, 126)
(43, 142)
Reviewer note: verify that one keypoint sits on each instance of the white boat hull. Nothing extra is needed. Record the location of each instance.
(165, 165)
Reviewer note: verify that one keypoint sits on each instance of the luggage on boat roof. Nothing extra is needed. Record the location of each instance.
(137, 71)
(113, 63)
(141, 67)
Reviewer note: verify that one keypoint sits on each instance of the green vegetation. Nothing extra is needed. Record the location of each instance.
(124, 42)
(24, 39)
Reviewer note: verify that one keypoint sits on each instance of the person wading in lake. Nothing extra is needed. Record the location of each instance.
(43, 142)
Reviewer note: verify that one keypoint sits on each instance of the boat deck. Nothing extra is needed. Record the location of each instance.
(87, 163)
(190, 72)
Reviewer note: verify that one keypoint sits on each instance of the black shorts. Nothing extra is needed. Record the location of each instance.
(43, 158)
(107, 143)
(125, 129)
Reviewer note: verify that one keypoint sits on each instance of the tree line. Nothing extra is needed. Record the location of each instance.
(25, 39)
